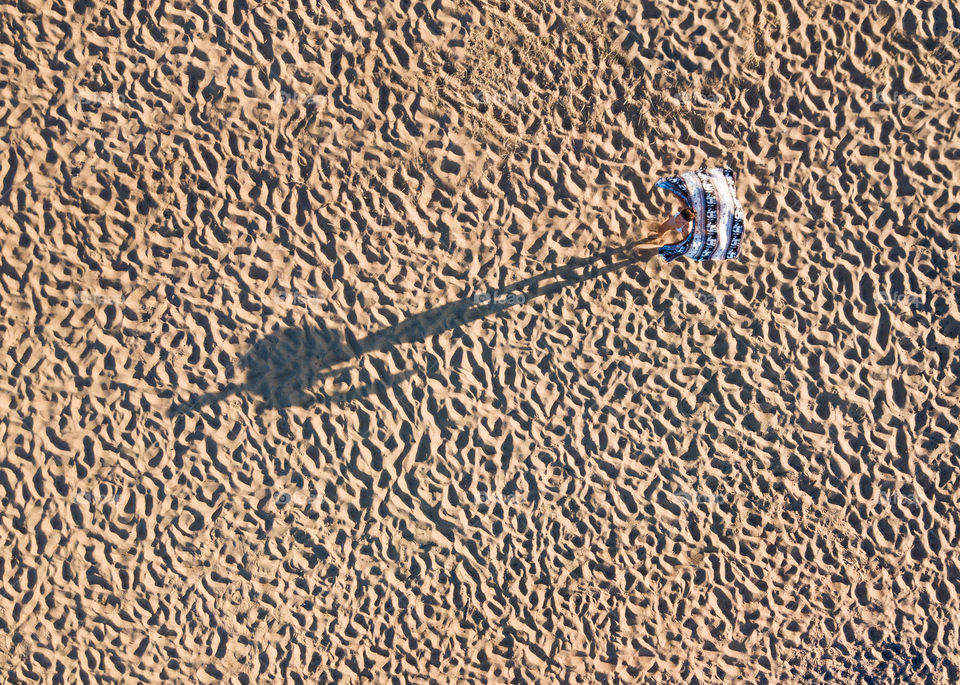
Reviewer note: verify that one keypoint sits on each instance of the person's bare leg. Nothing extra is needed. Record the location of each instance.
(670, 224)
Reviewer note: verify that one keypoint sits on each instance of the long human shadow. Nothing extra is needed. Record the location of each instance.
(281, 367)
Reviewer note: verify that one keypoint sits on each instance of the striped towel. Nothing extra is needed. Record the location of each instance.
(718, 227)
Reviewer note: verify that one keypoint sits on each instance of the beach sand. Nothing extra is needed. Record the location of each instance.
(321, 364)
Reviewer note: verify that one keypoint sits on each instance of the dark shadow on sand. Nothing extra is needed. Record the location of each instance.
(283, 366)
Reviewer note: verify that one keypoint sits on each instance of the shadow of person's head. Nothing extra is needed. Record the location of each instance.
(283, 366)
(280, 369)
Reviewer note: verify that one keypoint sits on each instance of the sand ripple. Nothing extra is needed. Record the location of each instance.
(304, 381)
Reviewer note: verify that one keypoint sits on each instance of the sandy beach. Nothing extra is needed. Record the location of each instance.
(334, 348)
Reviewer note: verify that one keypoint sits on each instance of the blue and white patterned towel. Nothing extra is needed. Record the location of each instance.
(718, 226)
